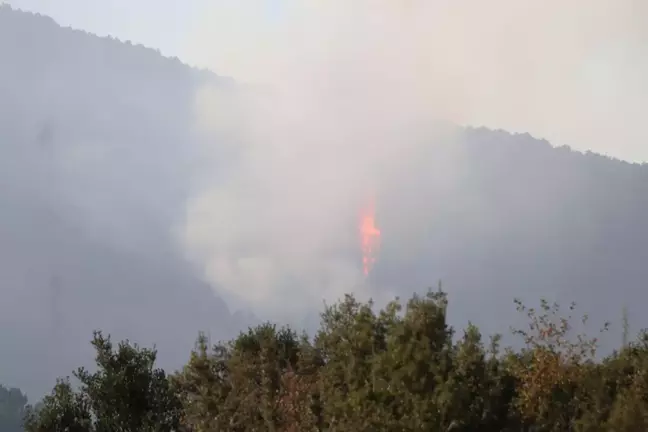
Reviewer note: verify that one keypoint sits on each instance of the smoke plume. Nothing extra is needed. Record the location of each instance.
(340, 97)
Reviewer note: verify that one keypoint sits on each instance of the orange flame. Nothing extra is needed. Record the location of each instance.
(370, 238)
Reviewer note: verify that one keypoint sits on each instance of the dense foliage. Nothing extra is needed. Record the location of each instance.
(398, 369)
(126, 393)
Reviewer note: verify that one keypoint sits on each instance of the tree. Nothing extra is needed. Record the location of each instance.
(61, 411)
(553, 368)
(398, 369)
(244, 385)
(126, 393)
(351, 389)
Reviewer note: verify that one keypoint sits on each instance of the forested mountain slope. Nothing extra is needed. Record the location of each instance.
(523, 219)
(93, 143)
(96, 152)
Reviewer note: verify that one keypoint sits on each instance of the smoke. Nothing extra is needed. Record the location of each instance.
(342, 94)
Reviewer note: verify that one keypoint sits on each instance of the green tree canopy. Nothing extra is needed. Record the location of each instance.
(126, 393)
(400, 368)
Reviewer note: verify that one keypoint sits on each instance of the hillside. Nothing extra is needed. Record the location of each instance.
(84, 232)
(528, 220)
(97, 150)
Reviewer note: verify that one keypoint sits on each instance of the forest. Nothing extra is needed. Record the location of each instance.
(397, 368)
(99, 165)
(99, 161)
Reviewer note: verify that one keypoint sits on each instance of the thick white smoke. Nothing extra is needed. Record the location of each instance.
(343, 93)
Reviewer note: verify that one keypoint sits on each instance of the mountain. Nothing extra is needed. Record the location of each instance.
(523, 219)
(93, 137)
(97, 150)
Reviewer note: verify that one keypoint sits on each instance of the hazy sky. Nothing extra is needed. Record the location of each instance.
(572, 72)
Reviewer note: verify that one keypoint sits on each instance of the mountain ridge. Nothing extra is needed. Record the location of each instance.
(96, 165)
